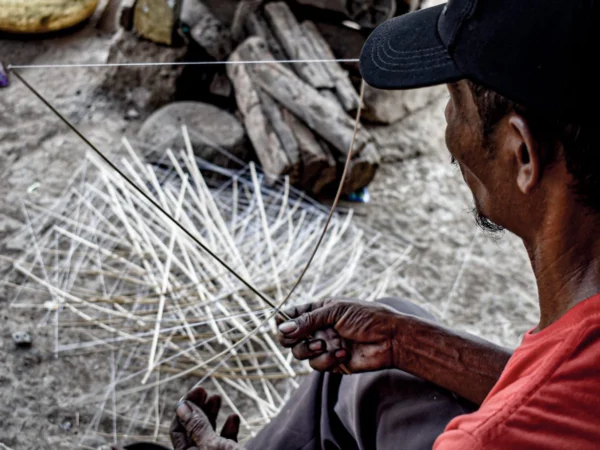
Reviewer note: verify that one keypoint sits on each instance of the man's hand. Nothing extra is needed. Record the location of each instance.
(371, 336)
(328, 333)
(194, 426)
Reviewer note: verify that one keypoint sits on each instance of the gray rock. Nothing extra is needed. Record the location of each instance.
(142, 87)
(22, 339)
(390, 106)
(420, 133)
(192, 11)
(209, 128)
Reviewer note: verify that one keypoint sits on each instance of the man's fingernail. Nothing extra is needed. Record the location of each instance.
(315, 346)
(340, 354)
(288, 327)
(183, 411)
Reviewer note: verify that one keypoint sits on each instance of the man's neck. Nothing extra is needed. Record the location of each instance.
(565, 256)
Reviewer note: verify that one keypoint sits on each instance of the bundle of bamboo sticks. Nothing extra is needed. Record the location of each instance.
(115, 276)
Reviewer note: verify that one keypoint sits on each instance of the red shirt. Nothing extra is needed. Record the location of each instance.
(548, 396)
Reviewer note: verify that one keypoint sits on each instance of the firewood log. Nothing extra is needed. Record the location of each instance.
(291, 36)
(318, 164)
(344, 89)
(265, 141)
(322, 115)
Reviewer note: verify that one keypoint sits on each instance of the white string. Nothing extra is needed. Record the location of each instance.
(182, 63)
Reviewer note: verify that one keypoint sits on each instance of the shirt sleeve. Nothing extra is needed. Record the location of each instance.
(456, 440)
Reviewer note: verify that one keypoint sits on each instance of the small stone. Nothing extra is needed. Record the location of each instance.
(132, 114)
(192, 11)
(22, 339)
(3, 77)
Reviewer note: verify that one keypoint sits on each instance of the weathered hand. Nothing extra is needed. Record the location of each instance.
(328, 333)
(194, 426)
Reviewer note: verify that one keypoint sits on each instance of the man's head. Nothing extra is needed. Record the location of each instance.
(522, 152)
(515, 160)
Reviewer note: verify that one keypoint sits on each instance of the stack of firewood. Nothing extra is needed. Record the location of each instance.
(300, 116)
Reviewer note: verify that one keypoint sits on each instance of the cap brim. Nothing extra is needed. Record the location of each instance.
(406, 52)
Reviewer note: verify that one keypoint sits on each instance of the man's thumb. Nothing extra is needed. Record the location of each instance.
(308, 323)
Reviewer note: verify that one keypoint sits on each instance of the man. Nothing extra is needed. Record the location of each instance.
(522, 129)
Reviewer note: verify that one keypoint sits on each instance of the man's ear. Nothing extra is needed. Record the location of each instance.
(526, 153)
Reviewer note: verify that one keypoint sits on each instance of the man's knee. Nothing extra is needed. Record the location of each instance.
(406, 307)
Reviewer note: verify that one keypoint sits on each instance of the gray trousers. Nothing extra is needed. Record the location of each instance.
(388, 409)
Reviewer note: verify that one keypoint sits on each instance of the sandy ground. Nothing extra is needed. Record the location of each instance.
(465, 278)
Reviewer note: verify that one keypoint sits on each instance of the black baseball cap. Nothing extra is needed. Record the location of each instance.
(539, 53)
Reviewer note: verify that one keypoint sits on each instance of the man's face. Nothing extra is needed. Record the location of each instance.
(474, 156)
